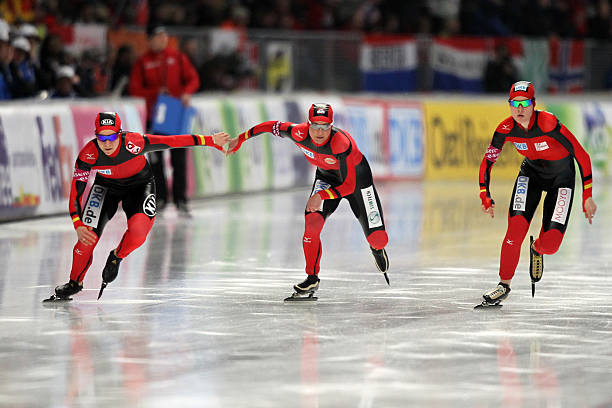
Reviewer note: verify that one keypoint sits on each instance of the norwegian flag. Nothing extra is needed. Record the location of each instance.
(566, 66)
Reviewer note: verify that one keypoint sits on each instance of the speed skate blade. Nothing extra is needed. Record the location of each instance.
(485, 305)
(532, 289)
(54, 298)
(102, 289)
(297, 298)
(386, 278)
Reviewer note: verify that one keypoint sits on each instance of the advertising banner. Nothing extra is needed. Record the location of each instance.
(458, 134)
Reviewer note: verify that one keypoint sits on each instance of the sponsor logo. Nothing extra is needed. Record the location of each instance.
(505, 127)
(329, 160)
(80, 175)
(369, 199)
(104, 171)
(90, 156)
(319, 186)
(307, 240)
(522, 86)
(91, 213)
(307, 152)
(298, 133)
(564, 200)
(107, 122)
(320, 111)
(541, 146)
(509, 242)
(149, 207)
(78, 251)
(132, 148)
(520, 146)
(520, 195)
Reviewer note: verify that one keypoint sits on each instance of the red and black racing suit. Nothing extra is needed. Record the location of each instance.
(342, 172)
(124, 177)
(549, 149)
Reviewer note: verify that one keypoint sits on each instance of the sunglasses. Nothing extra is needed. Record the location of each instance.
(524, 104)
(111, 138)
(317, 126)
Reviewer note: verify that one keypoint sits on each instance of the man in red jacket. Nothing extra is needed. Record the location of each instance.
(165, 70)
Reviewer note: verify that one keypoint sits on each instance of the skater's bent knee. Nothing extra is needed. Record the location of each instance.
(378, 239)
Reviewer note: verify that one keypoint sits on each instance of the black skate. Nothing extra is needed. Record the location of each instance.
(382, 261)
(110, 271)
(305, 290)
(493, 297)
(536, 266)
(63, 292)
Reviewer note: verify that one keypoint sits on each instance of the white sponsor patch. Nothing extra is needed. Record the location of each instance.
(564, 199)
(149, 206)
(107, 122)
(521, 86)
(330, 160)
(132, 148)
(369, 199)
(104, 171)
(520, 195)
(320, 186)
(541, 146)
(91, 213)
(307, 152)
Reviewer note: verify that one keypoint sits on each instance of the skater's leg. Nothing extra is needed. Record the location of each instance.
(524, 200)
(366, 206)
(139, 226)
(555, 217)
(311, 241)
(313, 224)
(139, 208)
(511, 247)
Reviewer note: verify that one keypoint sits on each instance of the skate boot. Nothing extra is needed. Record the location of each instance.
(63, 292)
(494, 296)
(110, 271)
(382, 261)
(536, 266)
(305, 290)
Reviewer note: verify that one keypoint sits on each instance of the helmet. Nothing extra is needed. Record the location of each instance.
(108, 121)
(321, 112)
(522, 88)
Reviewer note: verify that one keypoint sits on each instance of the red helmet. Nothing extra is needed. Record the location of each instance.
(321, 112)
(108, 121)
(522, 88)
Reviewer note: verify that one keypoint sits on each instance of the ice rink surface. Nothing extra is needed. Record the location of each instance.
(196, 317)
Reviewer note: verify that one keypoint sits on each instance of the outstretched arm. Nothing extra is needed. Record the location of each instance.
(160, 142)
(280, 129)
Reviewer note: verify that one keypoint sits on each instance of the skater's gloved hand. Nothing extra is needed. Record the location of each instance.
(234, 144)
(589, 209)
(220, 140)
(488, 204)
(86, 235)
(314, 203)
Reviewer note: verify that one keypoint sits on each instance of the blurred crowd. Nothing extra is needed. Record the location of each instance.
(34, 62)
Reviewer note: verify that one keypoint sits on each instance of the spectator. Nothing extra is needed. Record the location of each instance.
(51, 51)
(22, 70)
(500, 73)
(6, 55)
(120, 73)
(163, 70)
(65, 86)
(31, 34)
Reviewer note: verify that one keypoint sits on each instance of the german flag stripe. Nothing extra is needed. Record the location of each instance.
(588, 185)
(329, 192)
(75, 218)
